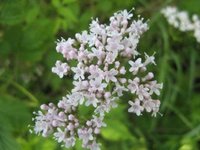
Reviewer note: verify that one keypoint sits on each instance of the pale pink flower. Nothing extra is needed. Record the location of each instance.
(135, 66)
(135, 107)
(60, 69)
(133, 85)
(97, 85)
(110, 75)
(79, 72)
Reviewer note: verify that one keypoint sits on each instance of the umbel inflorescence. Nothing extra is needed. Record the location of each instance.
(107, 65)
(182, 21)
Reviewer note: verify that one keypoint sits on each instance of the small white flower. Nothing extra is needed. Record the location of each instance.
(98, 122)
(135, 66)
(142, 92)
(63, 45)
(110, 57)
(99, 53)
(85, 134)
(70, 142)
(91, 100)
(60, 69)
(122, 70)
(149, 105)
(110, 75)
(126, 15)
(75, 98)
(83, 55)
(80, 85)
(114, 44)
(138, 27)
(119, 89)
(83, 38)
(79, 72)
(60, 135)
(133, 85)
(156, 108)
(149, 59)
(94, 146)
(97, 85)
(95, 73)
(135, 107)
(155, 88)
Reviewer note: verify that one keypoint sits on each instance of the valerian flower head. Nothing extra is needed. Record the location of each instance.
(182, 21)
(105, 65)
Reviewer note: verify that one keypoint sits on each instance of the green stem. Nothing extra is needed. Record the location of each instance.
(34, 100)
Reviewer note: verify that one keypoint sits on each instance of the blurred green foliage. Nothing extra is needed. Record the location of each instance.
(28, 31)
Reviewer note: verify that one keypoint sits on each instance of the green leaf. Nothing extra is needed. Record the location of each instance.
(34, 142)
(12, 12)
(191, 6)
(14, 112)
(7, 142)
(68, 14)
(116, 131)
(35, 40)
(68, 1)
(32, 14)
(4, 48)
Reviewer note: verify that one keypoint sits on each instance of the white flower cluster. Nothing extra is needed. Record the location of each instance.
(182, 21)
(106, 64)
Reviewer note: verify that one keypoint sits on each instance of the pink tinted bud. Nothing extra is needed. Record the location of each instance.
(58, 48)
(124, 22)
(137, 79)
(96, 131)
(81, 48)
(51, 105)
(149, 76)
(107, 94)
(60, 104)
(97, 43)
(143, 69)
(115, 23)
(122, 70)
(77, 35)
(61, 114)
(99, 95)
(86, 69)
(72, 54)
(44, 107)
(123, 30)
(70, 127)
(99, 62)
(76, 124)
(85, 83)
(105, 67)
(123, 80)
(81, 54)
(71, 117)
(55, 123)
(89, 123)
(117, 64)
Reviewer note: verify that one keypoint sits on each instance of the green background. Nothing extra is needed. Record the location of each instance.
(28, 31)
